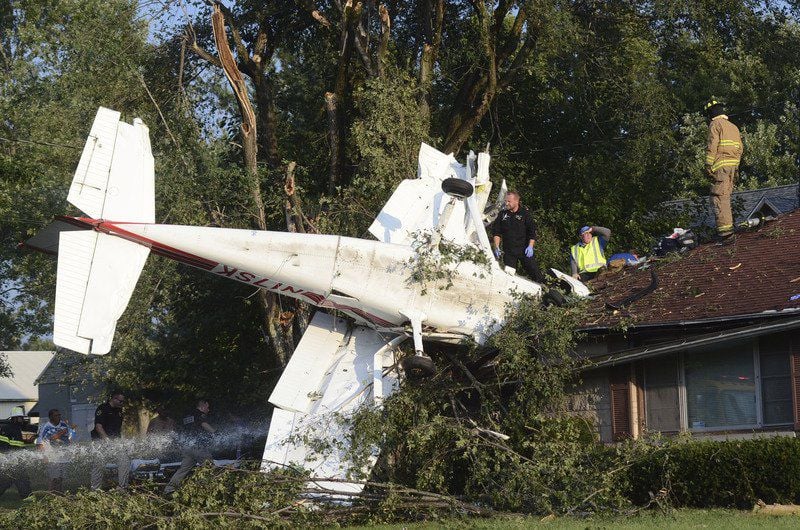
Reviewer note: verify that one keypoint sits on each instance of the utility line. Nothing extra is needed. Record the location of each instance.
(35, 142)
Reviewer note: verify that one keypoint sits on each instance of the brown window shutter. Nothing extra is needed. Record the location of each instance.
(794, 368)
(620, 402)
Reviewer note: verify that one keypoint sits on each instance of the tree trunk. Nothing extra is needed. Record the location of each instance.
(333, 137)
(432, 22)
(383, 46)
(267, 119)
(267, 300)
(504, 57)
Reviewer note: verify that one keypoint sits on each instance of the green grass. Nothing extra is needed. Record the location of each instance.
(678, 519)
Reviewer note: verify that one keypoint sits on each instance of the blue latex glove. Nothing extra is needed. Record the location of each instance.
(529, 252)
(497, 253)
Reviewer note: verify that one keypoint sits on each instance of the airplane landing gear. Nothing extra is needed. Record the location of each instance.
(418, 367)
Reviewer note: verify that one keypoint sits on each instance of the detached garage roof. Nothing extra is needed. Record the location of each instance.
(26, 367)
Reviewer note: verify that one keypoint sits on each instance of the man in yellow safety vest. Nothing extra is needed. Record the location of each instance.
(723, 153)
(587, 257)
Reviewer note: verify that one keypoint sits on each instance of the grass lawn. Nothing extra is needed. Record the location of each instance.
(685, 518)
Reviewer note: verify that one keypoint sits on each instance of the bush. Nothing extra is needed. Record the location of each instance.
(731, 474)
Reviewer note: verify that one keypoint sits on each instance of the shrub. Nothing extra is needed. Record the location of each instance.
(732, 474)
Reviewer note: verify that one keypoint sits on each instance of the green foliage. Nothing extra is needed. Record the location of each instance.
(210, 498)
(232, 498)
(769, 162)
(436, 265)
(503, 442)
(734, 473)
(384, 142)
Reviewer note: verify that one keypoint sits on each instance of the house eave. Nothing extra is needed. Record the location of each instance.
(687, 344)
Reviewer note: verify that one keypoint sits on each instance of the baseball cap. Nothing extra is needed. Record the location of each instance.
(584, 229)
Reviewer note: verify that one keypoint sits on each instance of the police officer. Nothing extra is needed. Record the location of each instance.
(196, 442)
(515, 229)
(107, 437)
(11, 440)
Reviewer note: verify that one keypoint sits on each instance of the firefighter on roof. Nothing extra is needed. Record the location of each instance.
(723, 153)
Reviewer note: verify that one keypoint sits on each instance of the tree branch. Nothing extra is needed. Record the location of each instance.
(383, 46)
(241, 49)
(312, 10)
(189, 34)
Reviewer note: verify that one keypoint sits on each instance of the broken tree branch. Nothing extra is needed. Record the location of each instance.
(294, 212)
(312, 10)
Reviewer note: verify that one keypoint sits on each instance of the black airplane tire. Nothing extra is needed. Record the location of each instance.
(418, 367)
(460, 189)
(553, 297)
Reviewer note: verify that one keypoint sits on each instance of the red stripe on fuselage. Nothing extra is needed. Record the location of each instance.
(157, 247)
(113, 228)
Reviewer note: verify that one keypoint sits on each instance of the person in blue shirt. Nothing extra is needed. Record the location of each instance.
(587, 257)
(53, 438)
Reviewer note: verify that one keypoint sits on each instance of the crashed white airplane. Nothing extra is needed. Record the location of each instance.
(338, 365)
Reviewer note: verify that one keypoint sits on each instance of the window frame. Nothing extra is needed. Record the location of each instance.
(683, 410)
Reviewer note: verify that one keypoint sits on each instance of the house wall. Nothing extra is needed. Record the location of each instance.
(744, 386)
(591, 399)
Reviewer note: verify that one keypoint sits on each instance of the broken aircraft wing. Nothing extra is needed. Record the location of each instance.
(334, 370)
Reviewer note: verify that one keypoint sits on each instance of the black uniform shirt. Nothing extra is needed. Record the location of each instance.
(111, 420)
(193, 428)
(515, 228)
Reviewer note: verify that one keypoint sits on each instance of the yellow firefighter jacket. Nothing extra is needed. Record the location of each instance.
(724, 144)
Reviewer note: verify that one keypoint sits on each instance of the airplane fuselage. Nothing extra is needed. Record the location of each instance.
(367, 280)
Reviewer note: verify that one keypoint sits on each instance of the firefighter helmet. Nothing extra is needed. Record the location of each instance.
(713, 108)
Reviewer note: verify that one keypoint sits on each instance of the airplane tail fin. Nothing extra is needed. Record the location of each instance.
(98, 272)
(114, 179)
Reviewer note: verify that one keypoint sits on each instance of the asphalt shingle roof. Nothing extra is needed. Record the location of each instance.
(758, 273)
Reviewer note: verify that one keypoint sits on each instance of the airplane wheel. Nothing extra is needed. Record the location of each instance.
(418, 367)
(553, 297)
(460, 189)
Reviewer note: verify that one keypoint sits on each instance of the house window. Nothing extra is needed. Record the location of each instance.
(737, 385)
(721, 387)
(776, 384)
(661, 398)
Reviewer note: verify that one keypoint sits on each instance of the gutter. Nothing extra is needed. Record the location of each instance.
(626, 356)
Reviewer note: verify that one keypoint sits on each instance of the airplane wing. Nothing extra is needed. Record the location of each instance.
(577, 287)
(334, 370)
(418, 204)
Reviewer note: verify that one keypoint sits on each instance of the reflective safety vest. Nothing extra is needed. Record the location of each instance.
(589, 258)
(13, 443)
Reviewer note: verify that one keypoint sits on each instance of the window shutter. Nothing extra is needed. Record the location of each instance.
(794, 358)
(620, 402)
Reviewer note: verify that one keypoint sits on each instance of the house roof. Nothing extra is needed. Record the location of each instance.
(745, 204)
(67, 366)
(26, 367)
(757, 274)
